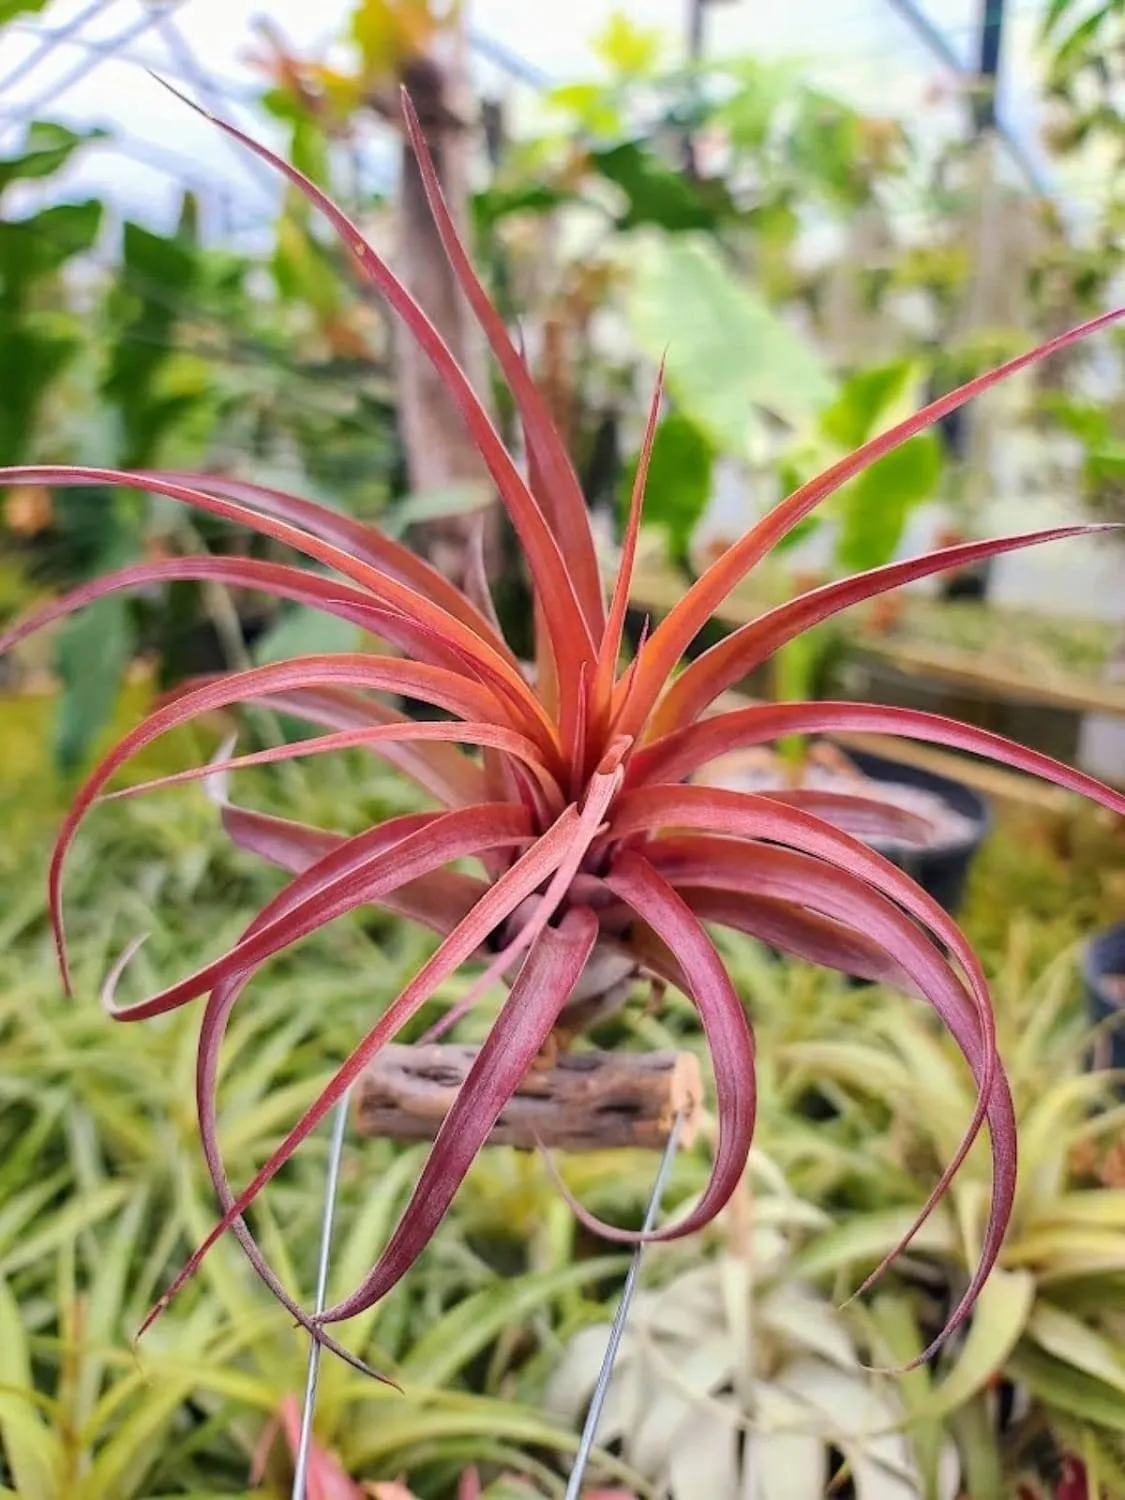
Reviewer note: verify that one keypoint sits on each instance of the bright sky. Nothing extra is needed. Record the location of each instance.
(862, 48)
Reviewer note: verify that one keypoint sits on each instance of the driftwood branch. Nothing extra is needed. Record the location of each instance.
(584, 1101)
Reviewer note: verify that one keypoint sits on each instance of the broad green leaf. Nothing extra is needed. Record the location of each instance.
(678, 486)
(388, 32)
(389, 1428)
(92, 653)
(1075, 44)
(729, 357)
(1069, 1251)
(302, 269)
(496, 203)
(436, 505)
(47, 145)
(864, 403)
(865, 1239)
(1088, 421)
(303, 630)
(1046, 1130)
(473, 1323)
(1096, 1208)
(1060, 1385)
(656, 195)
(872, 1069)
(796, 668)
(823, 146)
(29, 1445)
(999, 1320)
(158, 276)
(749, 114)
(308, 151)
(874, 508)
(33, 354)
(974, 1430)
(39, 246)
(1054, 12)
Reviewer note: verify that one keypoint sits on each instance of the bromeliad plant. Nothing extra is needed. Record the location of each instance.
(569, 785)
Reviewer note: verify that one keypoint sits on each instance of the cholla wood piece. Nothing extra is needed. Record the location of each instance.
(582, 1101)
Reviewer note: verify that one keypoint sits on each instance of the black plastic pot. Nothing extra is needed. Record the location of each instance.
(942, 871)
(1103, 957)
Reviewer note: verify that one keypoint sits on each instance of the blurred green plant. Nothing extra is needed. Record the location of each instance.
(739, 1376)
(40, 334)
(1046, 1321)
(867, 518)
(102, 1193)
(170, 354)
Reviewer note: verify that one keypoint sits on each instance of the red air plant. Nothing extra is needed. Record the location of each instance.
(600, 861)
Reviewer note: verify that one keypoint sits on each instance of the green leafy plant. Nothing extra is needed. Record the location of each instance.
(597, 860)
(104, 1192)
(739, 1377)
(1103, 455)
(867, 517)
(1045, 1321)
(39, 335)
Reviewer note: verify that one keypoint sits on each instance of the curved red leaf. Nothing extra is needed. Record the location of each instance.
(355, 874)
(718, 810)
(374, 737)
(438, 900)
(360, 539)
(684, 621)
(713, 810)
(442, 770)
(546, 981)
(866, 816)
(679, 754)
(777, 873)
(279, 579)
(494, 908)
(733, 658)
(409, 612)
(558, 491)
(610, 647)
(569, 631)
(794, 929)
(380, 673)
(725, 1026)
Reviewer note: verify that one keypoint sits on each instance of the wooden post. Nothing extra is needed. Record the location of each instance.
(583, 1101)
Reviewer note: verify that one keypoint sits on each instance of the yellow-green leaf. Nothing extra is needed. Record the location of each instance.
(999, 1319)
(1076, 1343)
(866, 1239)
(32, 1451)
(628, 50)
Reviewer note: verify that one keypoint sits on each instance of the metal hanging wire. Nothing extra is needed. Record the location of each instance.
(621, 1317)
(312, 1377)
(613, 1345)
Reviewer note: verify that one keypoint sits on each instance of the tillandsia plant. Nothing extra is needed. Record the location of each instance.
(569, 784)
